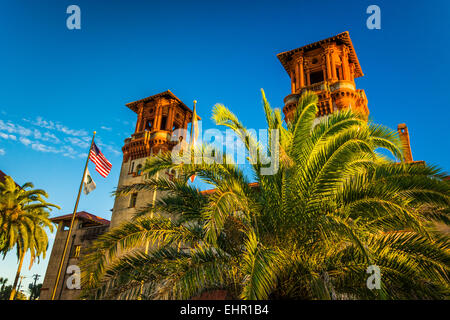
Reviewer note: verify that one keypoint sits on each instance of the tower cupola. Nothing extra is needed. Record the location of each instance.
(329, 68)
(158, 116)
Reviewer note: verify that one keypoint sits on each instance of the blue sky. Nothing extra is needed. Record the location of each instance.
(59, 85)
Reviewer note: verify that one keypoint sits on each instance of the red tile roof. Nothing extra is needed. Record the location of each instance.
(82, 215)
(134, 105)
(2, 176)
(343, 37)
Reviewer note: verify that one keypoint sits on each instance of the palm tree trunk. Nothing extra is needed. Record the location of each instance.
(13, 290)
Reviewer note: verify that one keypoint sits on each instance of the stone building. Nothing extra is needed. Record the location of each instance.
(328, 67)
(87, 227)
(158, 118)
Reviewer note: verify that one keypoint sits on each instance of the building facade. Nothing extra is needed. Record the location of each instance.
(328, 67)
(87, 227)
(158, 118)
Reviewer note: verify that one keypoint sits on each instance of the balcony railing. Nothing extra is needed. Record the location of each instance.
(316, 87)
(327, 86)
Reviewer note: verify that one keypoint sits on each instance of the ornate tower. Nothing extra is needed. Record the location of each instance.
(328, 67)
(157, 118)
(403, 133)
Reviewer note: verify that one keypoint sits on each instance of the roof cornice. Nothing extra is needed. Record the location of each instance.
(343, 37)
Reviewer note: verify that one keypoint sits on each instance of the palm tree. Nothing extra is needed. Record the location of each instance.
(24, 215)
(309, 231)
(3, 289)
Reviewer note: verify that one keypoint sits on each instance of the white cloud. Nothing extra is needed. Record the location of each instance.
(15, 128)
(50, 137)
(68, 151)
(67, 144)
(2, 152)
(40, 122)
(8, 136)
(109, 148)
(37, 134)
(77, 142)
(43, 123)
(43, 148)
(65, 150)
(71, 132)
(7, 126)
(25, 141)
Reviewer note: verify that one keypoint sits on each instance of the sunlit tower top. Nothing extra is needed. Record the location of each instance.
(158, 116)
(329, 68)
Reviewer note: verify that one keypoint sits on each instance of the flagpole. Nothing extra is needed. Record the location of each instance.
(71, 222)
(192, 138)
(194, 114)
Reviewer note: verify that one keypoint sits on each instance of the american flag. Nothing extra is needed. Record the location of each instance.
(102, 165)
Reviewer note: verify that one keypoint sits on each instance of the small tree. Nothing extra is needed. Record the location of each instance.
(34, 290)
(24, 215)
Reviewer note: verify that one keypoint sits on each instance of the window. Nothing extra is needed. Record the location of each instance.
(163, 123)
(316, 77)
(132, 167)
(133, 198)
(76, 251)
(149, 125)
(139, 169)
